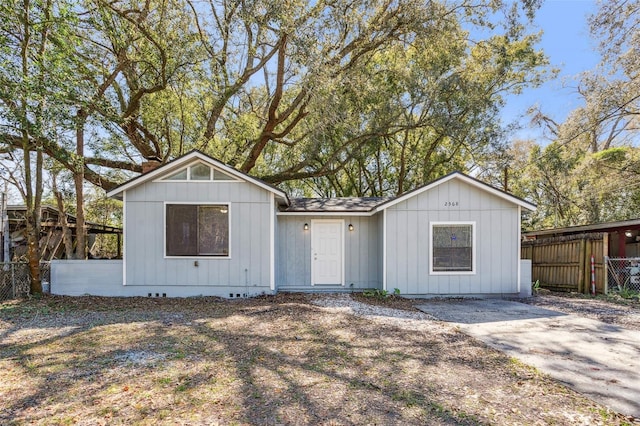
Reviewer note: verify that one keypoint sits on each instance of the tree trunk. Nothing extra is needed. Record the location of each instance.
(78, 179)
(66, 231)
(32, 216)
(33, 253)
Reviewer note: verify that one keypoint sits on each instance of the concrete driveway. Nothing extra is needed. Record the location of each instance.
(599, 360)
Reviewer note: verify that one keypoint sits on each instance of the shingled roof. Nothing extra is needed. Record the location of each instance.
(345, 204)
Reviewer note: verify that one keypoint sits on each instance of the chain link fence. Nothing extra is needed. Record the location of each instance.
(15, 279)
(623, 274)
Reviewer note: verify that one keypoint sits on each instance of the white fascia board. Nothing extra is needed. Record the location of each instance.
(183, 161)
(498, 193)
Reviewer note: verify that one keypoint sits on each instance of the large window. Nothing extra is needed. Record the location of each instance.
(452, 247)
(197, 230)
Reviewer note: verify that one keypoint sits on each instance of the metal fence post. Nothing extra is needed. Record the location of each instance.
(606, 275)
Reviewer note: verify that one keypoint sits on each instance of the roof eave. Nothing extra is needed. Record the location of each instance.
(117, 192)
(598, 227)
(326, 213)
(457, 175)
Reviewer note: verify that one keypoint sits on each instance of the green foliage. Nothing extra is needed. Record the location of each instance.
(536, 286)
(626, 292)
(381, 294)
(589, 171)
(615, 155)
(35, 80)
(375, 293)
(330, 97)
(572, 186)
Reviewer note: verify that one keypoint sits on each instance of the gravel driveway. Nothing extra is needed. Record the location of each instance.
(595, 358)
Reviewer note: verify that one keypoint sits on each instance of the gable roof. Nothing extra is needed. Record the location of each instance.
(464, 178)
(186, 159)
(367, 206)
(357, 205)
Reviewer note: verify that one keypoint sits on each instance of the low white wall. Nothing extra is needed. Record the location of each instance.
(93, 277)
(525, 277)
(104, 278)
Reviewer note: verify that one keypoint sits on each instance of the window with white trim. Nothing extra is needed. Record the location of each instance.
(452, 247)
(197, 230)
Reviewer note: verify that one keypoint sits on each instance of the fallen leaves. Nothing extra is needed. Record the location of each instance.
(274, 359)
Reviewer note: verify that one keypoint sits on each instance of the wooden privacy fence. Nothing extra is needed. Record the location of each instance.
(564, 263)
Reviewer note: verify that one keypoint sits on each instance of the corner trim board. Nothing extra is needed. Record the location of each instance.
(384, 249)
(519, 257)
(272, 242)
(124, 238)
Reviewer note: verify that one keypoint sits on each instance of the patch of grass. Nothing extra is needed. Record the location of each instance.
(164, 380)
(408, 397)
(107, 412)
(178, 354)
(626, 292)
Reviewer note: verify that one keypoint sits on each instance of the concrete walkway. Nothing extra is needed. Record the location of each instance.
(599, 360)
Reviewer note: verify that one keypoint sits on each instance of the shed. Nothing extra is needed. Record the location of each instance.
(623, 237)
(51, 234)
(561, 257)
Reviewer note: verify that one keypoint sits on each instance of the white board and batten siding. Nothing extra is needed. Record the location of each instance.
(269, 251)
(246, 271)
(360, 254)
(496, 225)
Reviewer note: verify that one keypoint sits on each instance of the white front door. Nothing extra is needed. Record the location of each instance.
(327, 263)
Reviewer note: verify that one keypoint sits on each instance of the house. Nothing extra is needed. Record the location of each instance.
(196, 226)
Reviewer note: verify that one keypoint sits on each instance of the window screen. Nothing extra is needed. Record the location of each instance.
(213, 227)
(452, 248)
(197, 230)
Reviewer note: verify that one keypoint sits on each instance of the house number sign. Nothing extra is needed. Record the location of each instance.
(451, 204)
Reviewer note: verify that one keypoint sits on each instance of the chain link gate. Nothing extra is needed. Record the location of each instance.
(15, 279)
(623, 273)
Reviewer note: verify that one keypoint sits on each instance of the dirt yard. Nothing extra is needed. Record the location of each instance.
(288, 359)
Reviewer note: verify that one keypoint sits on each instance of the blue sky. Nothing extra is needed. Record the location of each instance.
(567, 43)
